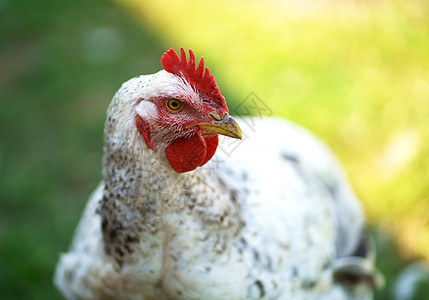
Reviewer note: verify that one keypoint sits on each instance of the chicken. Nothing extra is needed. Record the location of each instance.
(176, 219)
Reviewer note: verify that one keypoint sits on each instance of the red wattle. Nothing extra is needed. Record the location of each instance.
(186, 154)
(211, 146)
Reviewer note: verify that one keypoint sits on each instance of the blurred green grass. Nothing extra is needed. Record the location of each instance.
(62, 61)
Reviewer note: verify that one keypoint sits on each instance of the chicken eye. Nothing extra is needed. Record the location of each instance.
(174, 105)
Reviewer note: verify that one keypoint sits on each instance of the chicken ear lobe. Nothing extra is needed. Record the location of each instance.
(144, 128)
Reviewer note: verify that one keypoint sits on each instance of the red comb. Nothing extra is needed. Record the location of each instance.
(204, 84)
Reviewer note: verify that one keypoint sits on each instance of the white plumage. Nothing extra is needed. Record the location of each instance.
(274, 219)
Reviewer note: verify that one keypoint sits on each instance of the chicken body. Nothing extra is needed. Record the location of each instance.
(267, 221)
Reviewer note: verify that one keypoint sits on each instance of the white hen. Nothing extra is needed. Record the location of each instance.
(274, 219)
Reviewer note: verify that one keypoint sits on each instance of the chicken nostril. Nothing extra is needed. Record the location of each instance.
(215, 115)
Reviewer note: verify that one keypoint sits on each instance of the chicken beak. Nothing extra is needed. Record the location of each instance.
(226, 126)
